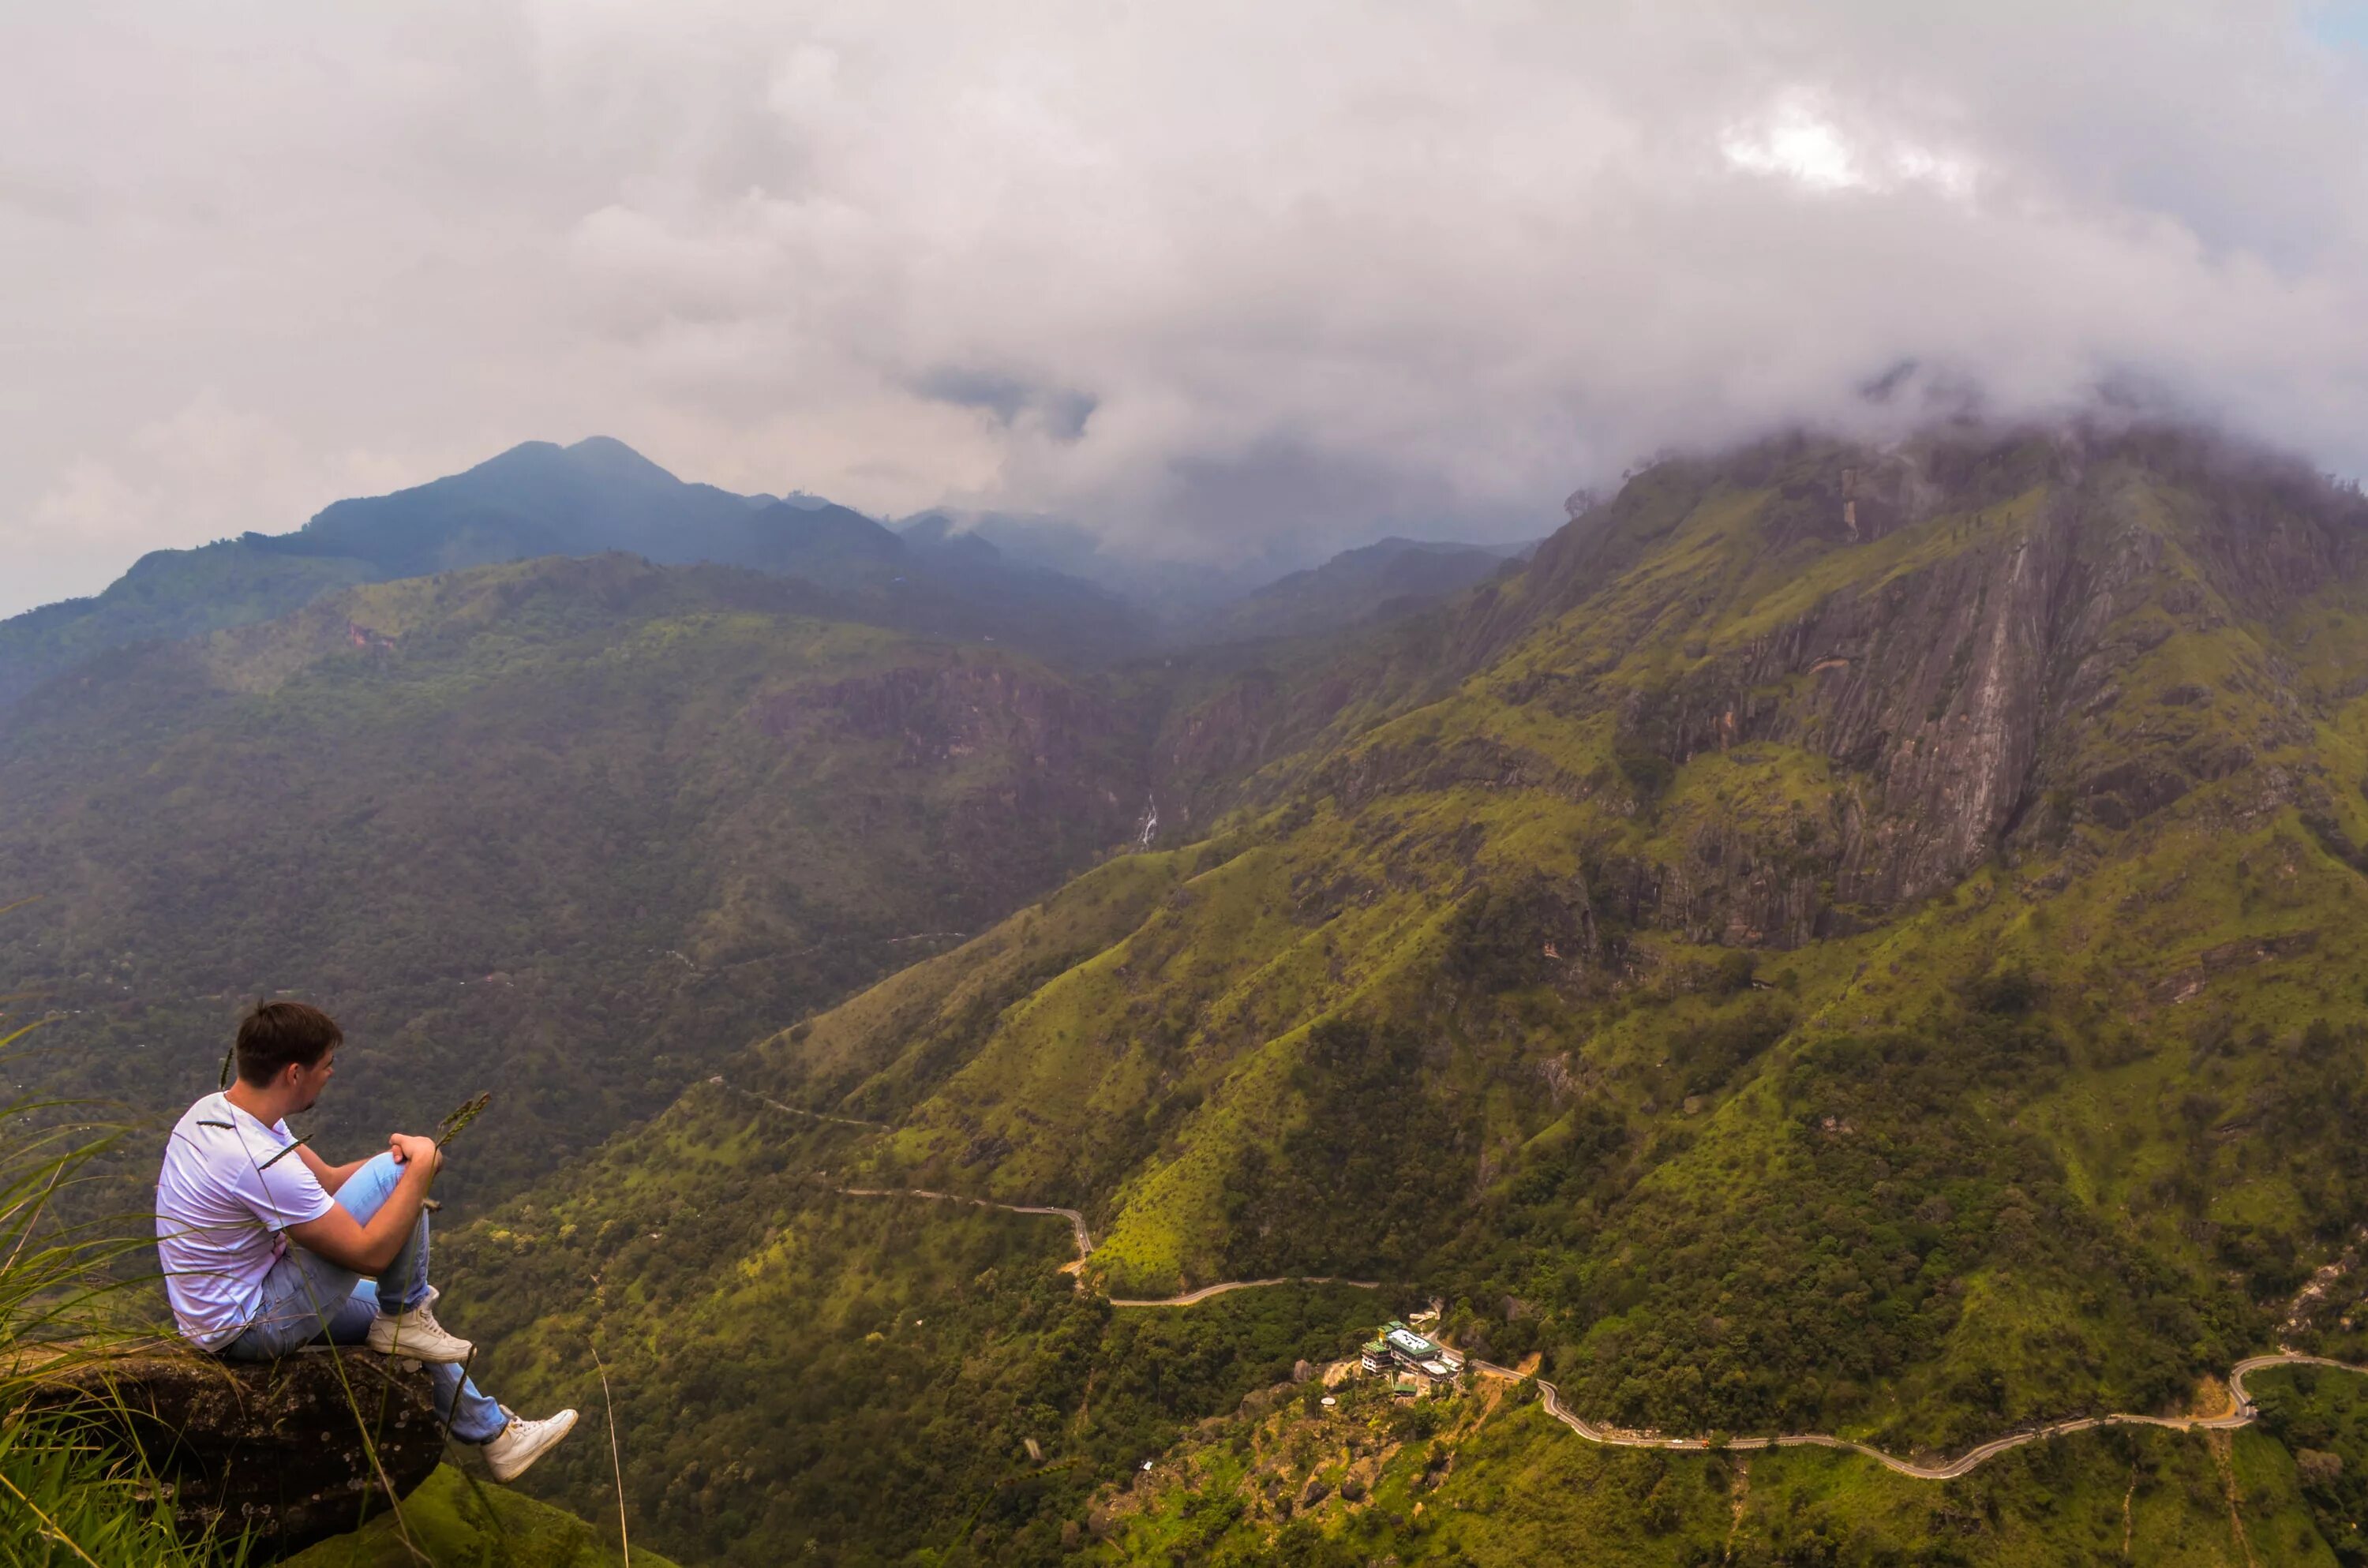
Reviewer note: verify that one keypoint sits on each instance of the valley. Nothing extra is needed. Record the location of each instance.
(1842, 950)
(1306, 786)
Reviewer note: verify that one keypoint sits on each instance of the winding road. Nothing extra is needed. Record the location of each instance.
(1076, 1220)
(1191, 1298)
(2241, 1413)
(798, 1110)
(1086, 1246)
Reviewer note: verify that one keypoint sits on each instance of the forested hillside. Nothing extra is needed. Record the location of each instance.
(1848, 940)
(568, 830)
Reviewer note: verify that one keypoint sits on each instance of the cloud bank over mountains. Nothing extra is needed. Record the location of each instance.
(1200, 276)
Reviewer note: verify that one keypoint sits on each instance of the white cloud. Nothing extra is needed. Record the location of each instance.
(1795, 144)
(1204, 276)
(1797, 140)
(206, 471)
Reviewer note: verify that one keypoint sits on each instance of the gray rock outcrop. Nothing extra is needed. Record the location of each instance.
(291, 1453)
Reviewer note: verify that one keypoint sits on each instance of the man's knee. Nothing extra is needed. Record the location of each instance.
(369, 1186)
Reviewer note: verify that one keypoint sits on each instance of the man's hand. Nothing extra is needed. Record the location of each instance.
(368, 1248)
(407, 1148)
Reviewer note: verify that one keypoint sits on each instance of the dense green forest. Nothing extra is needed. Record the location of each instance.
(569, 831)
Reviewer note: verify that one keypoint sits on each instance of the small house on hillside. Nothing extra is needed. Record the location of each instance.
(1416, 1365)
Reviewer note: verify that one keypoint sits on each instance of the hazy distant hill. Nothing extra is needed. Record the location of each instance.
(1179, 593)
(1847, 940)
(540, 499)
(1388, 577)
(599, 494)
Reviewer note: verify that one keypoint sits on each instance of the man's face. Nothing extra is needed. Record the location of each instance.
(309, 1081)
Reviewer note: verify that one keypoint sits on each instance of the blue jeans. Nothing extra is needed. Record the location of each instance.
(308, 1300)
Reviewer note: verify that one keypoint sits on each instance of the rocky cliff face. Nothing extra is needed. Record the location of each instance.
(273, 1452)
(1959, 677)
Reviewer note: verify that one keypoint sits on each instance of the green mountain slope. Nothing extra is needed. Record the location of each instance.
(569, 830)
(1760, 736)
(1848, 940)
(454, 1524)
(168, 594)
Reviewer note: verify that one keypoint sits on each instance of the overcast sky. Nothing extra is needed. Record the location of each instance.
(1197, 274)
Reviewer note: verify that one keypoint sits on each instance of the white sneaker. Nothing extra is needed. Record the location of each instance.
(417, 1335)
(521, 1443)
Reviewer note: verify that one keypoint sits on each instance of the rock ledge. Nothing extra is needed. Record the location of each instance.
(272, 1449)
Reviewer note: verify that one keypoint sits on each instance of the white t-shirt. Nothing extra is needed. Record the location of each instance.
(220, 1213)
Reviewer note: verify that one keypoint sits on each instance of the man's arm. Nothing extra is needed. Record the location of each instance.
(331, 1177)
(348, 1243)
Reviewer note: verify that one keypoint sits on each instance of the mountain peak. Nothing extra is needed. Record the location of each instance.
(600, 458)
(613, 456)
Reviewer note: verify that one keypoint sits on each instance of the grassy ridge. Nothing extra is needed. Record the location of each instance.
(69, 1493)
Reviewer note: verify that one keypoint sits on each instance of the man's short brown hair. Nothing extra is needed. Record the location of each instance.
(280, 1034)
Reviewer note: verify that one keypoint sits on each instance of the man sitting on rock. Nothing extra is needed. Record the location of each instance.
(236, 1189)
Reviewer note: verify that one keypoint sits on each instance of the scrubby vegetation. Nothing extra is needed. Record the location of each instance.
(2321, 1418)
(877, 1376)
(456, 1523)
(68, 1492)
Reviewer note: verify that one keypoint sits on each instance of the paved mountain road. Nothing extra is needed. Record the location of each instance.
(1086, 1246)
(2243, 1414)
(1191, 1297)
(798, 1110)
(1076, 1220)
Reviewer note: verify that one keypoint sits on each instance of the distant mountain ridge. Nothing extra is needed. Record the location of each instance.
(1390, 577)
(1051, 585)
(1268, 595)
(600, 494)
(538, 499)
(1173, 590)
